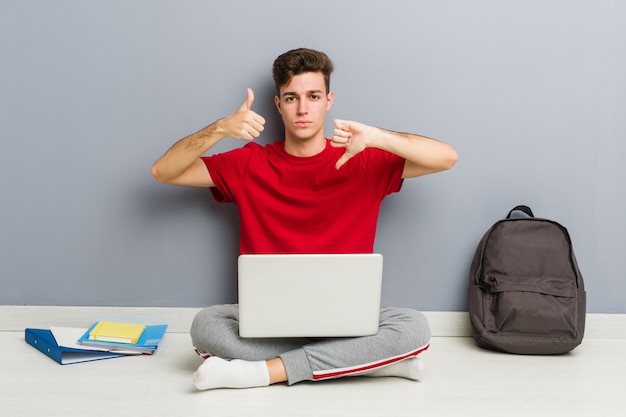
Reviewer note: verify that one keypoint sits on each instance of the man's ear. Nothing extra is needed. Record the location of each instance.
(277, 103)
(330, 97)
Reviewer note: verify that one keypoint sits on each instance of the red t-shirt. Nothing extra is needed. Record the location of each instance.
(290, 204)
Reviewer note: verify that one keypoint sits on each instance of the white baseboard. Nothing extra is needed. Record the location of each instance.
(16, 318)
(442, 323)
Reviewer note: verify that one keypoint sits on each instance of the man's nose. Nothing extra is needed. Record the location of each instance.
(302, 107)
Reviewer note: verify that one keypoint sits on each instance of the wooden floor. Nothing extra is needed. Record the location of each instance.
(460, 380)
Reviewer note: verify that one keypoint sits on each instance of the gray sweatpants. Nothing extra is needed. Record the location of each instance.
(403, 333)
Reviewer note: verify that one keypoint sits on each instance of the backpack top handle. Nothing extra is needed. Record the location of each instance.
(523, 208)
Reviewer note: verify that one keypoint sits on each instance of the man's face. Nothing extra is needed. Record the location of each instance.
(303, 104)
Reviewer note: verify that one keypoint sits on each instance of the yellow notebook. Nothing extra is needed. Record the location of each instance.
(109, 331)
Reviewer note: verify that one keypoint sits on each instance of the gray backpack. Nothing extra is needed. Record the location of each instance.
(526, 294)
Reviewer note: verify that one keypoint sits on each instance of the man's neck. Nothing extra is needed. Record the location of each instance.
(305, 147)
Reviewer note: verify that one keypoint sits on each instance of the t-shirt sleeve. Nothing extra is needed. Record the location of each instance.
(226, 170)
(385, 169)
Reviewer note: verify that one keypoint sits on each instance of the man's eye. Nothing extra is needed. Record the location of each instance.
(290, 99)
(315, 97)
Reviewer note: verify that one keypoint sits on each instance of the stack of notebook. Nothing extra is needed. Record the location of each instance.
(123, 336)
(103, 340)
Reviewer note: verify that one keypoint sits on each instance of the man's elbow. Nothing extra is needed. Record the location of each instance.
(446, 159)
(451, 159)
(157, 174)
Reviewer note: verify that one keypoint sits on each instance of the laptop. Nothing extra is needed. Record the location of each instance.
(309, 295)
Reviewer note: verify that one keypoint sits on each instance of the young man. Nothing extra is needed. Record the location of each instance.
(305, 194)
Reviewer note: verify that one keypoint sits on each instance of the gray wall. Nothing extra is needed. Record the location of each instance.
(531, 94)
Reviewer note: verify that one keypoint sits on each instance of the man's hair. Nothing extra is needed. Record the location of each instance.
(299, 61)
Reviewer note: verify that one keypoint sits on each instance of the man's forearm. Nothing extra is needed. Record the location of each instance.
(424, 155)
(185, 152)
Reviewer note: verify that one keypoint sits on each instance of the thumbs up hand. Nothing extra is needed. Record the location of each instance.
(244, 123)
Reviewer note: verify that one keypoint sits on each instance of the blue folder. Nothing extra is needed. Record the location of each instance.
(43, 340)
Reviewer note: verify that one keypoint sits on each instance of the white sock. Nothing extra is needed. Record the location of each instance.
(219, 373)
(411, 368)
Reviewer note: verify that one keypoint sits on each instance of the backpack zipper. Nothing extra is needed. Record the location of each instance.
(486, 285)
